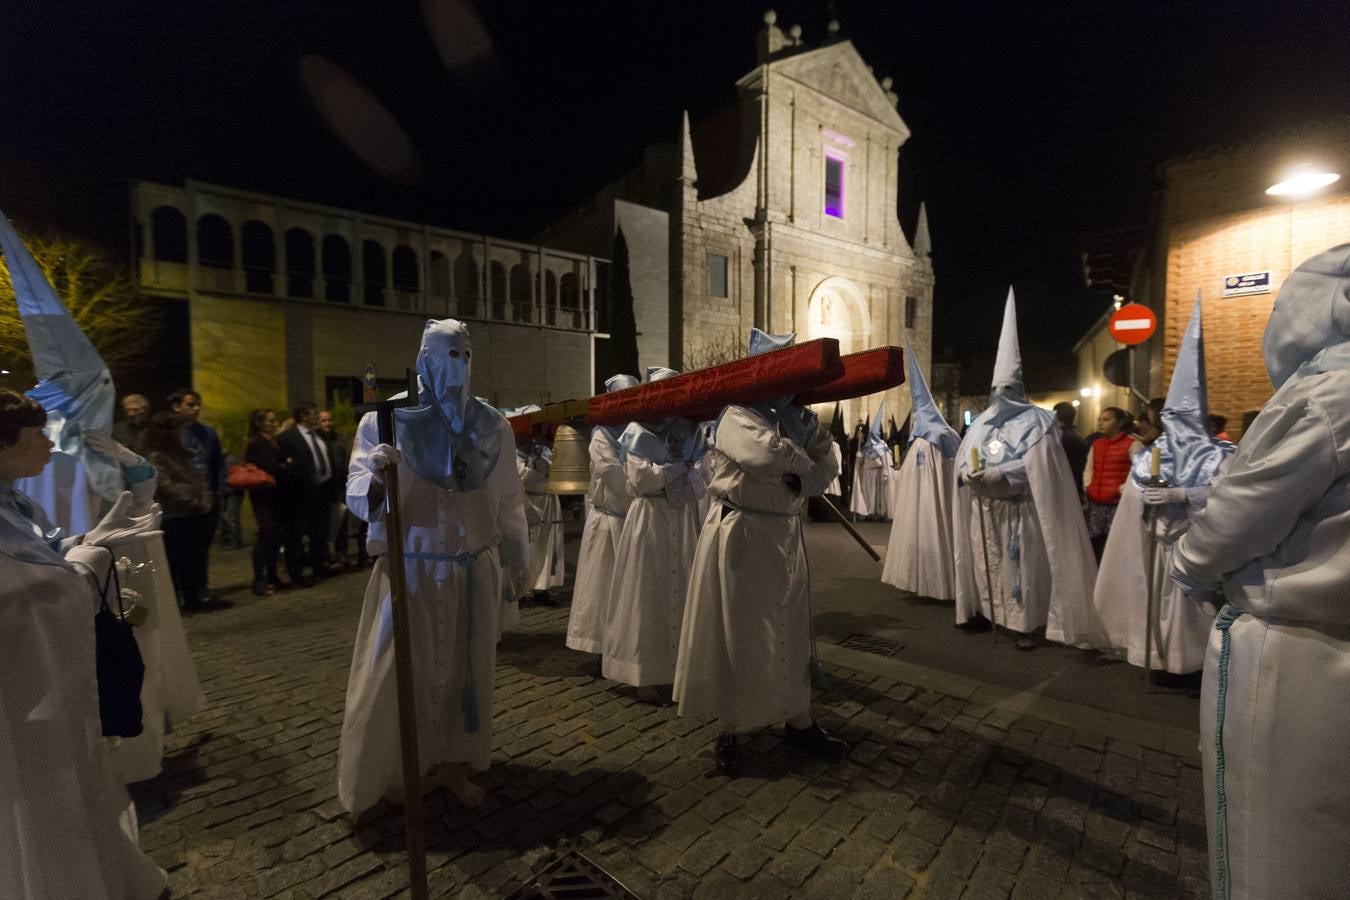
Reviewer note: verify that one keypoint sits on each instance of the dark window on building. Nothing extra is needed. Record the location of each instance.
(260, 257)
(717, 275)
(215, 242)
(299, 263)
(372, 266)
(911, 310)
(168, 230)
(834, 187)
(337, 269)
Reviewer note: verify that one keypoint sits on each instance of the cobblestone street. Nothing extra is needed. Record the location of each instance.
(953, 788)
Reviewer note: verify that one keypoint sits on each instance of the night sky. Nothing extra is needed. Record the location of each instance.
(1032, 122)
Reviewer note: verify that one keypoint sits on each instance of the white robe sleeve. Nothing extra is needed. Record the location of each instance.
(365, 495)
(1275, 485)
(606, 466)
(758, 450)
(824, 464)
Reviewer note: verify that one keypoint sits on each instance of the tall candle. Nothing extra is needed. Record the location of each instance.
(1155, 465)
(974, 459)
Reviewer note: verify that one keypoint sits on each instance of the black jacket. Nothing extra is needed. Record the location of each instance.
(304, 475)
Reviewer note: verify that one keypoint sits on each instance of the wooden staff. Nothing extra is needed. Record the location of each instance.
(403, 670)
(862, 541)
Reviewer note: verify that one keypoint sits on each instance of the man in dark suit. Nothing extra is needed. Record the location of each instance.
(315, 474)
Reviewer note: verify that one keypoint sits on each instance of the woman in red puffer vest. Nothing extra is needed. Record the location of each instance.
(1108, 466)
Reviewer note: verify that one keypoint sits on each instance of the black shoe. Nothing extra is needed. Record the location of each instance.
(815, 739)
(545, 598)
(303, 581)
(1026, 642)
(727, 755)
(261, 588)
(975, 625)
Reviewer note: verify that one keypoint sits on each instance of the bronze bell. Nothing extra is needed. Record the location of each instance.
(571, 469)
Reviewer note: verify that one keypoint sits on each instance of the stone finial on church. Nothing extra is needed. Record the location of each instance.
(771, 40)
(923, 242)
(688, 170)
(886, 84)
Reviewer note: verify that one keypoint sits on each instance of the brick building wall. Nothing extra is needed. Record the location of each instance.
(1218, 221)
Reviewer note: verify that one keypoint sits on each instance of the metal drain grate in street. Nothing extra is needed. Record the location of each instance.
(871, 644)
(571, 876)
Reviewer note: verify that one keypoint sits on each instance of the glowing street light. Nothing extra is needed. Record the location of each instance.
(1302, 181)
(1085, 392)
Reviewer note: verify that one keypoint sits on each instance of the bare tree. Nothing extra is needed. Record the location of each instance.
(725, 347)
(99, 293)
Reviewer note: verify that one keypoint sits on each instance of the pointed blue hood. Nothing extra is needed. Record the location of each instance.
(1009, 426)
(875, 445)
(1188, 456)
(926, 419)
(74, 385)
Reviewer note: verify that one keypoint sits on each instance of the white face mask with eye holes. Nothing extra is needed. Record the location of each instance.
(443, 366)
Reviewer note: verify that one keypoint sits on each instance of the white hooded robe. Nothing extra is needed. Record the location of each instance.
(454, 634)
(745, 647)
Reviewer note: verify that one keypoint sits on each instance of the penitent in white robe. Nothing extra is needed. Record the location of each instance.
(608, 500)
(1121, 597)
(919, 556)
(745, 647)
(651, 572)
(870, 477)
(67, 827)
(1055, 570)
(1275, 531)
(454, 632)
(547, 568)
(836, 488)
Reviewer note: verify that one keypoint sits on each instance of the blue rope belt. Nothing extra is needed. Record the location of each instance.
(468, 700)
(1223, 621)
(1015, 547)
(608, 512)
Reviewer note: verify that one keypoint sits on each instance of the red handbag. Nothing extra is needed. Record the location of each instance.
(248, 476)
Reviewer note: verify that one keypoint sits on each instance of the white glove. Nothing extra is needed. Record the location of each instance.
(1159, 496)
(382, 457)
(105, 446)
(95, 560)
(120, 526)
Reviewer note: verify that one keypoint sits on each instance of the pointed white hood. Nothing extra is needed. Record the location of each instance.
(1009, 425)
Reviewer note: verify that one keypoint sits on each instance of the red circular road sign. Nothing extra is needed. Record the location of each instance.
(1133, 323)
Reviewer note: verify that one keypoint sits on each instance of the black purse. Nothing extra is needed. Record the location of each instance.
(121, 671)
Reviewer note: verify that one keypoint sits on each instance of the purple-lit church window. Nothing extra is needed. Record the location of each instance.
(834, 186)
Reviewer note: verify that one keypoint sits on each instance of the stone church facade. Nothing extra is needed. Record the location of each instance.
(780, 212)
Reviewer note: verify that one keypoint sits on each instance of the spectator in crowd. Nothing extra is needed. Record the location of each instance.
(1217, 424)
(65, 832)
(1148, 425)
(314, 472)
(271, 503)
(183, 495)
(128, 431)
(1075, 448)
(1108, 465)
(339, 450)
(203, 445)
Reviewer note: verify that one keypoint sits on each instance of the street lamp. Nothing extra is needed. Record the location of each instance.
(1302, 181)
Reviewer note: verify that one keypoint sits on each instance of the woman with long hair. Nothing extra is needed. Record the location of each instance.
(183, 495)
(268, 501)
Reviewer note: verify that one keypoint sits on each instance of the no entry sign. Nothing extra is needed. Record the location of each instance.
(1133, 323)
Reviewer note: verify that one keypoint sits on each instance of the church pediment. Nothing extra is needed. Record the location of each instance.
(838, 71)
